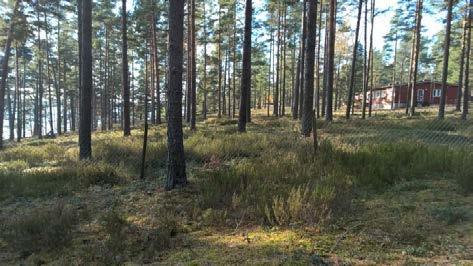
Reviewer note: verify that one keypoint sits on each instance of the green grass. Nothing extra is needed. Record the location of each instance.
(262, 197)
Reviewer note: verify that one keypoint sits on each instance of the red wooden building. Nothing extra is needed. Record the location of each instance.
(393, 97)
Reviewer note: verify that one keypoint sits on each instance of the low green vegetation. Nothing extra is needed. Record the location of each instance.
(263, 194)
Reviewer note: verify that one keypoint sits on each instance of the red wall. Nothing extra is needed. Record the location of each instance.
(428, 93)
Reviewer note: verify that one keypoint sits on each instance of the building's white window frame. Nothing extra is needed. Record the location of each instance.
(437, 93)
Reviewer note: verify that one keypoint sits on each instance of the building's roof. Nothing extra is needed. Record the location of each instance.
(418, 83)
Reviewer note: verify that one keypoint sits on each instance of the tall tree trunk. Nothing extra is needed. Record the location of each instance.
(234, 64)
(145, 135)
(189, 63)
(219, 92)
(125, 78)
(18, 93)
(446, 56)
(176, 175)
(307, 119)
(415, 62)
(246, 68)
(39, 94)
(270, 72)
(278, 54)
(11, 111)
(317, 67)
(371, 58)
(462, 64)
(331, 59)
(3, 78)
(365, 63)
(224, 86)
(64, 80)
(353, 63)
(283, 93)
(303, 43)
(104, 94)
(85, 141)
(48, 68)
(466, 75)
(57, 79)
(193, 69)
(204, 88)
(157, 75)
(79, 35)
(394, 77)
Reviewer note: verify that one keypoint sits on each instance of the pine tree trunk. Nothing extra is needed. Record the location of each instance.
(204, 88)
(303, 43)
(85, 131)
(246, 68)
(365, 63)
(64, 80)
(193, 70)
(145, 134)
(446, 56)
(371, 59)
(157, 75)
(18, 93)
(234, 64)
(466, 75)
(283, 93)
(317, 67)
(57, 81)
(415, 62)
(125, 78)
(219, 67)
(48, 69)
(331, 60)
(462, 64)
(307, 119)
(353, 63)
(176, 175)
(4, 68)
(278, 55)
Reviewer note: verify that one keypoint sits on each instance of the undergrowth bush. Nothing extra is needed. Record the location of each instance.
(40, 229)
(47, 181)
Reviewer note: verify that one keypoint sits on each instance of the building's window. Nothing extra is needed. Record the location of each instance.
(437, 93)
(378, 94)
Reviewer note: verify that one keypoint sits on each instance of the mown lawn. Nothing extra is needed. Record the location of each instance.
(378, 191)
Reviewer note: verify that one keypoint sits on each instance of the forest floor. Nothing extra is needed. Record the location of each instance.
(381, 191)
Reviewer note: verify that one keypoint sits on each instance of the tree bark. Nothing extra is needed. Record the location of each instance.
(353, 63)
(246, 68)
(303, 43)
(331, 60)
(85, 141)
(125, 78)
(176, 175)
(193, 70)
(466, 75)
(415, 62)
(18, 93)
(307, 120)
(446, 56)
(462, 64)
(145, 134)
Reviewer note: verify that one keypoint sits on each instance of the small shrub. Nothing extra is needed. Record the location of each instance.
(96, 174)
(14, 166)
(115, 226)
(40, 229)
(449, 215)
